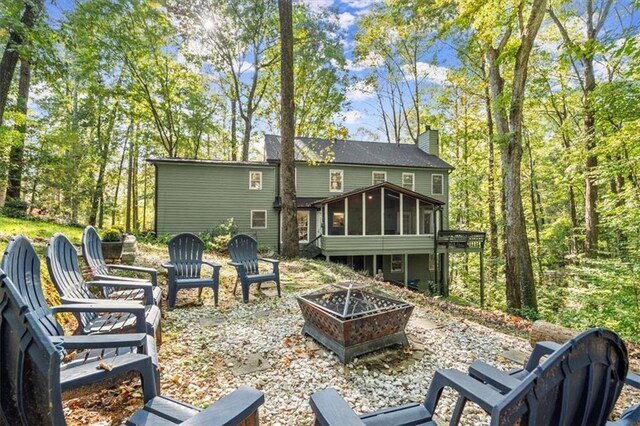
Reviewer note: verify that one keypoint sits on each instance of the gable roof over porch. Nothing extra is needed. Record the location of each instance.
(386, 185)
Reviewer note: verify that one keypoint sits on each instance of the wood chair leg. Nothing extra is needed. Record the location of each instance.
(200, 293)
(235, 286)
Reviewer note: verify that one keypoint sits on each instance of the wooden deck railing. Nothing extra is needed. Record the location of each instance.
(461, 239)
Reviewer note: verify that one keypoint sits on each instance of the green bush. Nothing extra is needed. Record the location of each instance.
(15, 208)
(113, 235)
(217, 238)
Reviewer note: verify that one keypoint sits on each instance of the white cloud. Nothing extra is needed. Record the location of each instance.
(351, 117)
(360, 4)
(346, 20)
(354, 66)
(317, 5)
(360, 91)
(243, 67)
(435, 73)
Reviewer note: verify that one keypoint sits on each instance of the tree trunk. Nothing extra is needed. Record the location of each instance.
(543, 331)
(10, 55)
(494, 250)
(290, 238)
(16, 155)
(591, 185)
(246, 138)
(115, 198)
(534, 207)
(127, 214)
(134, 188)
(234, 130)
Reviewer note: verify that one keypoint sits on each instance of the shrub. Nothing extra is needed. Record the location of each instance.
(15, 208)
(113, 235)
(217, 238)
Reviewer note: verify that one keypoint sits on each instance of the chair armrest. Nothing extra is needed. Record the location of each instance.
(331, 410)
(491, 375)
(168, 265)
(134, 308)
(236, 264)
(539, 350)
(633, 380)
(230, 410)
(146, 286)
(101, 341)
(264, 259)
(212, 264)
(151, 271)
(466, 386)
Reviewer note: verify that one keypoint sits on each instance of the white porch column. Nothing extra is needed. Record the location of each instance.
(401, 214)
(417, 217)
(382, 211)
(346, 215)
(326, 219)
(375, 264)
(364, 213)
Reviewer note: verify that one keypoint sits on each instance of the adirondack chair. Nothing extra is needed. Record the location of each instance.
(32, 380)
(64, 270)
(578, 384)
(244, 257)
(185, 267)
(505, 381)
(100, 270)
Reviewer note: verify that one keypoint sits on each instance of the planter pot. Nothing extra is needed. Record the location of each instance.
(112, 250)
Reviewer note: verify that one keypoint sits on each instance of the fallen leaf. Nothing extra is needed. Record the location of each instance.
(105, 366)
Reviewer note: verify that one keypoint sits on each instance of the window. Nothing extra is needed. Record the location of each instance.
(335, 180)
(378, 177)
(396, 262)
(437, 184)
(259, 219)
(303, 226)
(407, 181)
(255, 180)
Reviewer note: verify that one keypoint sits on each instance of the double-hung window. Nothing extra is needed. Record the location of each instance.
(396, 262)
(437, 184)
(255, 180)
(378, 177)
(336, 178)
(303, 226)
(258, 219)
(408, 180)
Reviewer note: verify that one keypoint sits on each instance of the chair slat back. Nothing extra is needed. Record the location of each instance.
(185, 252)
(578, 385)
(92, 251)
(244, 249)
(29, 364)
(22, 266)
(64, 269)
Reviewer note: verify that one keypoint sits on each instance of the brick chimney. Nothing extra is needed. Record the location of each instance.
(428, 141)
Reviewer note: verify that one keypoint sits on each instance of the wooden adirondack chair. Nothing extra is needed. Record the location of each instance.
(185, 267)
(244, 257)
(64, 270)
(100, 270)
(578, 384)
(32, 379)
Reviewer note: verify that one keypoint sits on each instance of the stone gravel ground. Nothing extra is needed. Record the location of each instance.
(208, 352)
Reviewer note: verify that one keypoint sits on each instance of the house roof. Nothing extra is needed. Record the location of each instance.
(217, 162)
(341, 151)
(386, 185)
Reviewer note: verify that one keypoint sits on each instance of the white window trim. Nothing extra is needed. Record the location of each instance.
(308, 224)
(441, 177)
(331, 172)
(295, 178)
(401, 263)
(250, 174)
(373, 173)
(413, 180)
(265, 219)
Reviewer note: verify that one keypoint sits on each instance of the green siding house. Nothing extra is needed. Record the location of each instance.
(375, 206)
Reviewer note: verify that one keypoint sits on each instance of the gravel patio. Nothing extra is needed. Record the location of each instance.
(208, 352)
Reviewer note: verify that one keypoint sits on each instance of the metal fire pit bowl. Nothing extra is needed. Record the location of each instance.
(353, 322)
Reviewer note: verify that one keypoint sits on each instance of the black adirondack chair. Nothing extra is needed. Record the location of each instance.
(505, 381)
(64, 270)
(100, 270)
(244, 257)
(185, 267)
(578, 385)
(32, 380)
(124, 352)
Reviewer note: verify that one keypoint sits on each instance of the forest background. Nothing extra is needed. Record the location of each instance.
(90, 89)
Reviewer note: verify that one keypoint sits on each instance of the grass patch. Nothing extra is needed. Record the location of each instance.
(38, 231)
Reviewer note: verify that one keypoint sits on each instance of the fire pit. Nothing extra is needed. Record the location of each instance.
(353, 322)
